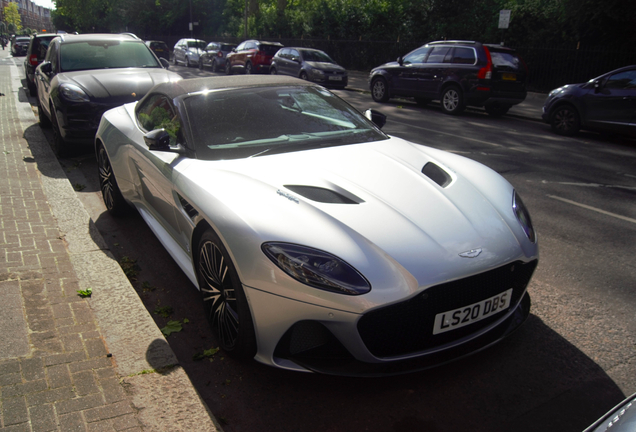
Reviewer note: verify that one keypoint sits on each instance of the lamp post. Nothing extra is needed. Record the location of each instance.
(191, 26)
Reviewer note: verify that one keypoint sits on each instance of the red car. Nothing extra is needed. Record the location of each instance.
(252, 56)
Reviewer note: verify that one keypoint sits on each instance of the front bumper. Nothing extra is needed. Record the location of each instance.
(389, 340)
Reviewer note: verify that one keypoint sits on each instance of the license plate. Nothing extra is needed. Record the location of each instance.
(335, 78)
(454, 319)
(509, 77)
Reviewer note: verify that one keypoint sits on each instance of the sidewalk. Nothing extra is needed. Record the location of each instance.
(69, 363)
(529, 109)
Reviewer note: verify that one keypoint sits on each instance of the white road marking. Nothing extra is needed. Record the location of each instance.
(594, 185)
(625, 218)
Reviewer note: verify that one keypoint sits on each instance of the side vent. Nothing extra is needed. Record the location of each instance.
(187, 207)
(322, 195)
(436, 174)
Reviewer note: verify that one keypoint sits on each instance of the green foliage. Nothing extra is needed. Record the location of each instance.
(209, 353)
(164, 311)
(172, 327)
(130, 268)
(85, 293)
(12, 17)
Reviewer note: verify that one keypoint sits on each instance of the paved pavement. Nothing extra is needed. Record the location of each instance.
(72, 363)
(530, 109)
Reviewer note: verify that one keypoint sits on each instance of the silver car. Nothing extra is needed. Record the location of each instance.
(187, 51)
(318, 242)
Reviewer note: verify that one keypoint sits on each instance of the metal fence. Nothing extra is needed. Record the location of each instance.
(548, 67)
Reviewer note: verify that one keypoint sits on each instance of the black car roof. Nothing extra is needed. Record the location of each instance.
(183, 87)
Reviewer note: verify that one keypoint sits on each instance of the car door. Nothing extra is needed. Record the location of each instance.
(248, 52)
(234, 58)
(406, 75)
(43, 80)
(432, 73)
(152, 171)
(612, 104)
(281, 59)
(295, 62)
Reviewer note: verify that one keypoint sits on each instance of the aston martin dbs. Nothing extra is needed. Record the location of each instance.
(318, 242)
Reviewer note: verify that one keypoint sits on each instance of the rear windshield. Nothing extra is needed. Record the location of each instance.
(40, 45)
(160, 45)
(269, 49)
(227, 47)
(239, 123)
(505, 60)
(106, 54)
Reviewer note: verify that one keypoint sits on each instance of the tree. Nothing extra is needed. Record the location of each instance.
(12, 17)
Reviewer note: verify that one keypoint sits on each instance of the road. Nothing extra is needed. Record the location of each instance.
(574, 359)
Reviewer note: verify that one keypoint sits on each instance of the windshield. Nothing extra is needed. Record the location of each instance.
(316, 56)
(239, 123)
(105, 55)
(196, 44)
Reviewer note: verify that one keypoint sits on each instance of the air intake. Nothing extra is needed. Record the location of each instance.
(322, 195)
(436, 174)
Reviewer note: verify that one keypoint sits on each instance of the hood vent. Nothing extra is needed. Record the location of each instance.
(322, 195)
(436, 174)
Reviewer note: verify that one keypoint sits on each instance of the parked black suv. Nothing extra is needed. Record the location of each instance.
(458, 74)
(34, 56)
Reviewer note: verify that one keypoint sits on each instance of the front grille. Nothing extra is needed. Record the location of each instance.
(407, 327)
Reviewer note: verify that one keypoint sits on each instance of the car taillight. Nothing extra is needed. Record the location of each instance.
(486, 72)
(33, 60)
(219, 54)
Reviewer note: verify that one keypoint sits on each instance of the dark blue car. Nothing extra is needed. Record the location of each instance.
(606, 103)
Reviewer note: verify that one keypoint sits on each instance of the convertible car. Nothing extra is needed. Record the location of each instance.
(318, 242)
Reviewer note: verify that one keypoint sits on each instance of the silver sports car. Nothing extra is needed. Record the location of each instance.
(318, 242)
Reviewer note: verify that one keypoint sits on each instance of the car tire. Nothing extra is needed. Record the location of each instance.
(497, 110)
(228, 68)
(45, 122)
(187, 62)
(379, 90)
(60, 147)
(113, 199)
(272, 71)
(248, 68)
(224, 300)
(215, 66)
(422, 101)
(565, 120)
(452, 100)
(303, 76)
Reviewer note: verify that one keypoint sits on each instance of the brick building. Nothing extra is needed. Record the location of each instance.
(33, 16)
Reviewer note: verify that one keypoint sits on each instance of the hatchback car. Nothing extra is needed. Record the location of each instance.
(34, 56)
(187, 51)
(605, 103)
(82, 76)
(215, 55)
(318, 242)
(458, 74)
(19, 45)
(309, 64)
(160, 49)
(252, 56)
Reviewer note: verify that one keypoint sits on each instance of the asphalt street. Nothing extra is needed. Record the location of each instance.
(574, 359)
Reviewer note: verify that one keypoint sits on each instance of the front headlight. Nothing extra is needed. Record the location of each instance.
(73, 93)
(317, 268)
(521, 212)
(318, 73)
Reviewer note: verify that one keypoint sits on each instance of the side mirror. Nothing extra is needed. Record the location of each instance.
(597, 85)
(295, 59)
(157, 139)
(376, 117)
(165, 63)
(400, 60)
(233, 49)
(46, 67)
